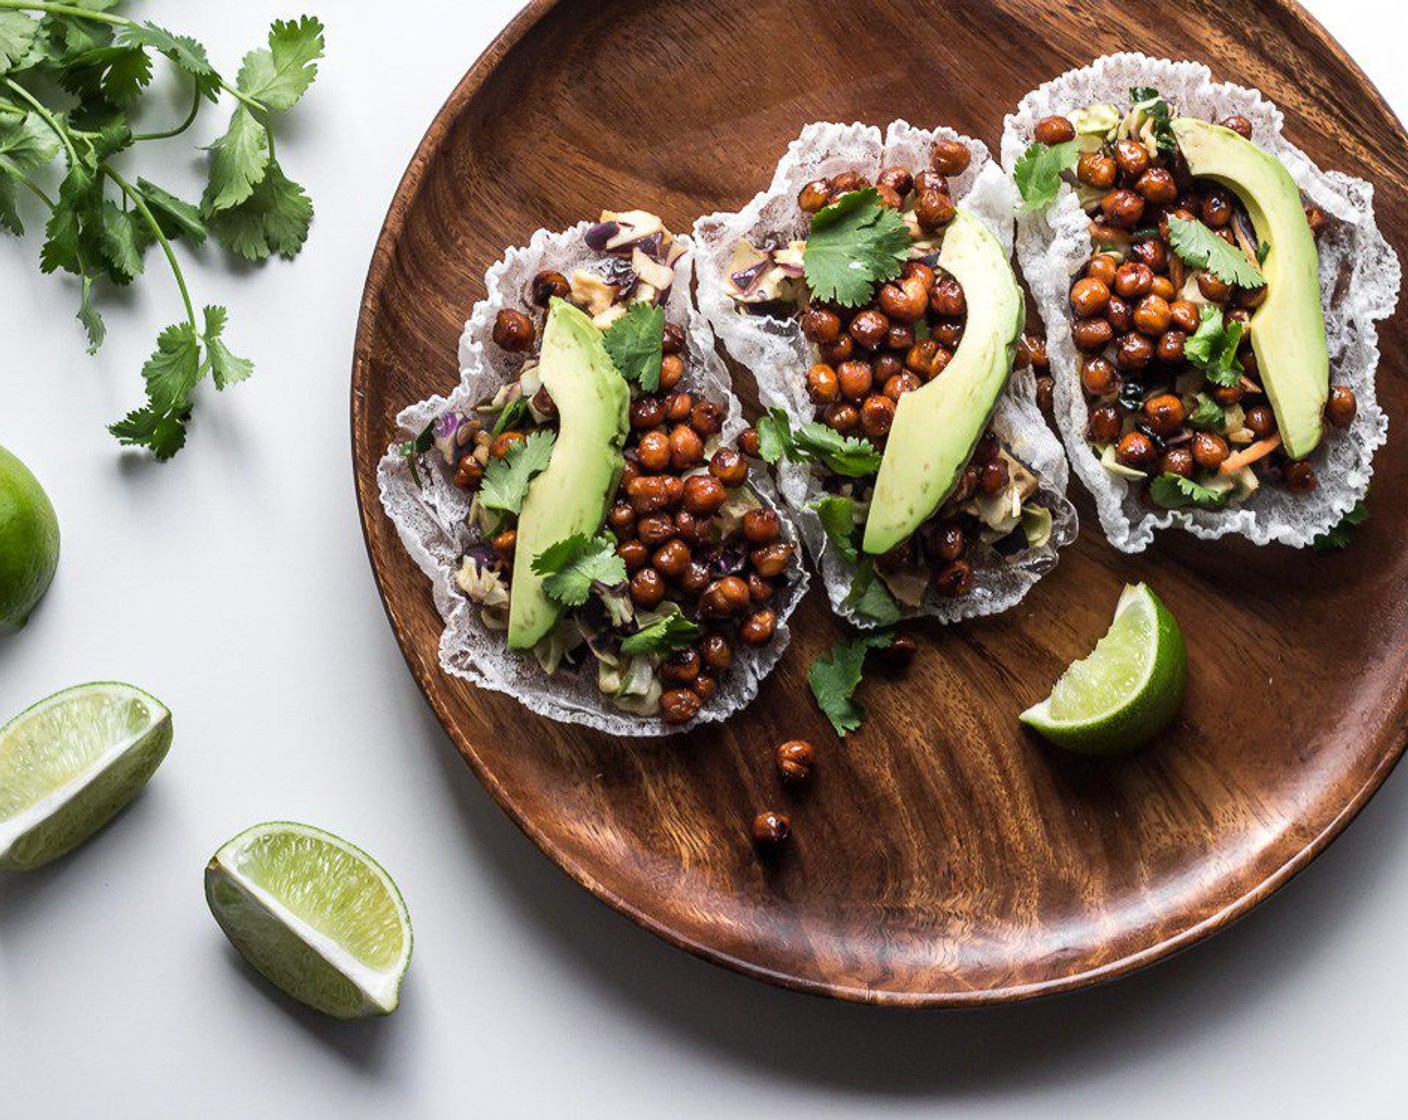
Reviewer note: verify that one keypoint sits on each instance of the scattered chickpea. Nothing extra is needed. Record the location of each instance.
(795, 761)
(513, 331)
(770, 831)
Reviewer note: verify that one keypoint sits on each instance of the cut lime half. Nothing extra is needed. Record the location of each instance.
(316, 916)
(1127, 690)
(69, 763)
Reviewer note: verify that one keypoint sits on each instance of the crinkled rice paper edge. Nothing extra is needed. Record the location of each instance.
(431, 520)
(778, 355)
(1053, 246)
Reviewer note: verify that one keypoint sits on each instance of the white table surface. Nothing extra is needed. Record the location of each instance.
(233, 584)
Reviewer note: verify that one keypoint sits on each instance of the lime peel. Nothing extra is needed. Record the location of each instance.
(1127, 690)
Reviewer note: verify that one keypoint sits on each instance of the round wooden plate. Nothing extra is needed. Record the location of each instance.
(943, 856)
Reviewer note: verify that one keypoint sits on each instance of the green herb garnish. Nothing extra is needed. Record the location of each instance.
(835, 677)
(814, 442)
(635, 342)
(1341, 535)
(506, 480)
(72, 76)
(838, 519)
(1038, 172)
(1207, 415)
(413, 449)
(512, 414)
(1173, 491)
(1213, 348)
(1202, 248)
(667, 634)
(1152, 103)
(870, 598)
(854, 244)
(570, 567)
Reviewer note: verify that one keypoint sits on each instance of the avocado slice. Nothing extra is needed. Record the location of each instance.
(1288, 329)
(571, 496)
(936, 428)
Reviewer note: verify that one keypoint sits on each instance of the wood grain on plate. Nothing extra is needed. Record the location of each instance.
(942, 856)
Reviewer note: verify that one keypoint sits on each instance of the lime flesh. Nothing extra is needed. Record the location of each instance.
(1127, 691)
(29, 541)
(69, 763)
(317, 917)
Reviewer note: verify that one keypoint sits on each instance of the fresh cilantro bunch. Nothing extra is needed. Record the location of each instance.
(854, 244)
(71, 78)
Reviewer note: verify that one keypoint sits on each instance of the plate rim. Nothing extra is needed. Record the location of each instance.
(369, 509)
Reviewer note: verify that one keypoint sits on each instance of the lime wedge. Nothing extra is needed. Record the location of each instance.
(316, 916)
(68, 764)
(1127, 690)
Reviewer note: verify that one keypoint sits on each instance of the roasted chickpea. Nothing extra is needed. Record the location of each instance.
(760, 590)
(1157, 186)
(1151, 316)
(1341, 407)
(848, 181)
(841, 417)
(771, 560)
(834, 353)
(1036, 352)
(622, 520)
(822, 385)
(993, 477)
(933, 209)
(1095, 169)
(686, 448)
(1089, 297)
(704, 687)
(1216, 208)
(679, 705)
(647, 588)
(905, 300)
(716, 652)
(1133, 351)
(948, 542)
(821, 325)
(889, 199)
(706, 418)
(1299, 477)
(954, 580)
(513, 331)
(885, 366)
(761, 525)
(1261, 422)
(680, 667)
(921, 358)
(899, 385)
(869, 328)
(1132, 157)
(749, 442)
(695, 578)
(876, 416)
(1151, 252)
(677, 406)
(1240, 125)
(758, 628)
(1103, 267)
(505, 543)
(947, 298)
(795, 760)
(469, 474)
(546, 285)
(854, 379)
(1054, 130)
(770, 831)
(655, 529)
(673, 340)
(498, 449)
(671, 559)
(647, 412)
(900, 336)
(649, 493)
(729, 467)
(1184, 315)
(1209, 450)
(814, 196)
(1136, 450)
(1212, 288)
(1227, 395)
(1162, 287)
(1092, 334)
(704, 495)
(1104, 426)
(653, 452)
(671, 370)
(950, 158)
(897, 179)
(724, 597)
(1098, 377)
(1133, 279)
(1177, 460)
(1122, 208)
(1170, 347)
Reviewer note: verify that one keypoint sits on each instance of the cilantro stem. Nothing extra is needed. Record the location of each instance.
(141, 204)
(47, 117)
(11, 169)
(167, 134)
(66, 10)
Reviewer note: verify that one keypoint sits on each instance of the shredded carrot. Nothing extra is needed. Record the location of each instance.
(1250, 454)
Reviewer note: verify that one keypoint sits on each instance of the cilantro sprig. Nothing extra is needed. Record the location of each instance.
(573, 566)
(835, 678)
(506, 480)
(1213, 347)
(814, 442)
(636, 343)
(1200, 247)
(1173, 491)
(1341, 534)
(71, 78)
(854, 244)
(838, 519)
(870, 598)
(666, 634)
(1038, 172)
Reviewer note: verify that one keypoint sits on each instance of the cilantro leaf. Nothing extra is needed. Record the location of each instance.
(114, 76)
(279, 76)
(851, 456)
(75, 225)
(635, 342)
(838, 519)
(274, 218)
(88, 315)
(1202, 248)
(870, 598)
(1173, 491)
(1341, 535)
(225, 367)
(666, 635)
(171, 374)
(1206, 414)
(506, 480)
(124, 237)
(1038, 172)
(176, 217)
(1213, 348)
(1152, 102)
(854, 244)
(162, 433)
(570, 567)
(26, 145)
(835, 677)
(238, 161)
(184, 51)
(17, 34)
(774, 435)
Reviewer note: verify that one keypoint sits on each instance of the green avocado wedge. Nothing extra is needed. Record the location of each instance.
(570, 496)
(936, 428)
(1288, 329)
